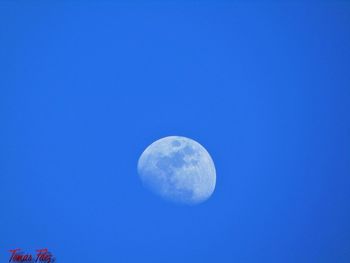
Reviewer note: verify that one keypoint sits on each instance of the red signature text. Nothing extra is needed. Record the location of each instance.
(42, 255)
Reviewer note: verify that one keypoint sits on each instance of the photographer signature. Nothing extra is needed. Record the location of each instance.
(42, 255)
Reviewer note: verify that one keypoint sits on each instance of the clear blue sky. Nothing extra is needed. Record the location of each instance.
(265, 87)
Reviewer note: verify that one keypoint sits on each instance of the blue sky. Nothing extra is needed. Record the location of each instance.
(86, 86)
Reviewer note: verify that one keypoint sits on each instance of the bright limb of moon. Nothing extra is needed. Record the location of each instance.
(178, 169)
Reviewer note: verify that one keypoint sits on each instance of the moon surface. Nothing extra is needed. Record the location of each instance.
(178, 169)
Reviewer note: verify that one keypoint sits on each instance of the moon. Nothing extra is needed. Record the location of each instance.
(178, 169)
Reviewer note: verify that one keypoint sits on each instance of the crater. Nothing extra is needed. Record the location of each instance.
(176, 143)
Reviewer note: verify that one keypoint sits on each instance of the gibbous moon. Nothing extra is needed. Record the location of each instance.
(178, 169)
